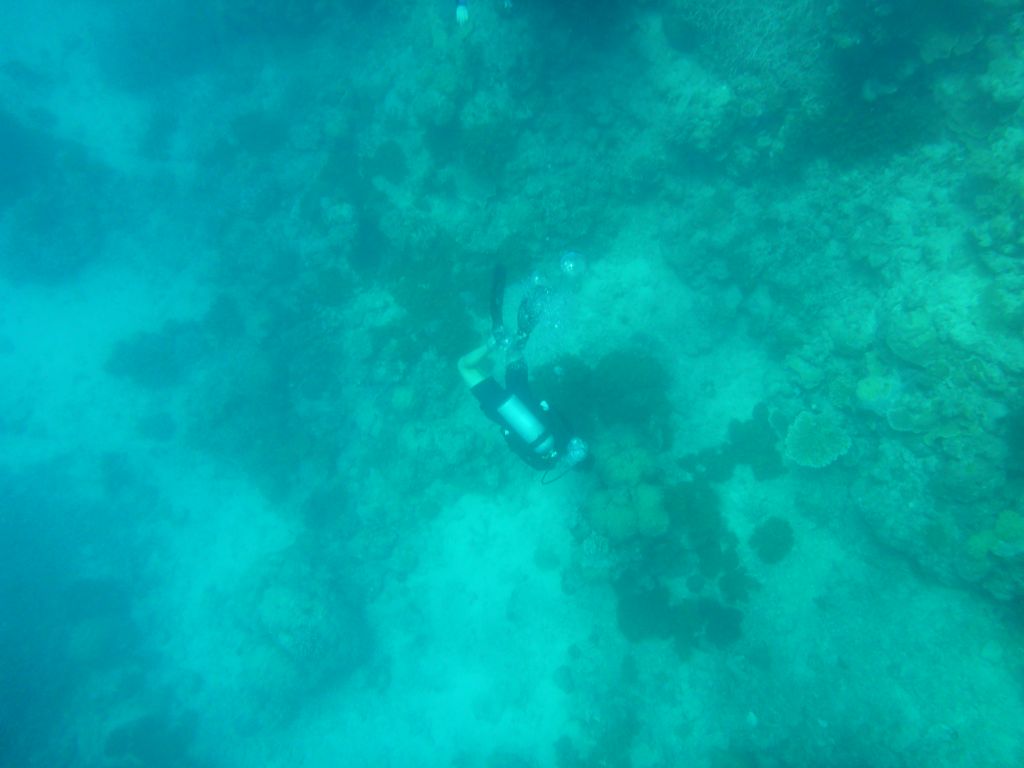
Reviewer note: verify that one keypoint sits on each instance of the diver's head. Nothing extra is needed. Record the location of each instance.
(574, 455)
(576, 452)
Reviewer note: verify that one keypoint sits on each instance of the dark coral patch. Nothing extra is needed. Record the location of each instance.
(772, 540)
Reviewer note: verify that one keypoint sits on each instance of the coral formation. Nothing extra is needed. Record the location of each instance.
(630, 511)
(816, 440)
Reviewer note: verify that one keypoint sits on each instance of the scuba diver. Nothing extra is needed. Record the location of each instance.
(532, 430)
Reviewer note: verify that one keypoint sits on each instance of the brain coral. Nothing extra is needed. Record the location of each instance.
(816, 440)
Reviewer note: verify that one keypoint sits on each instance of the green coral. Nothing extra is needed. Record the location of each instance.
(816, 440)
(875, 392)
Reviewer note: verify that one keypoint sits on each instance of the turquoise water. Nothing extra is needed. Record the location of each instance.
(251, 516)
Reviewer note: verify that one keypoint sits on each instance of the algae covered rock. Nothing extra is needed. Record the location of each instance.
(816, 440)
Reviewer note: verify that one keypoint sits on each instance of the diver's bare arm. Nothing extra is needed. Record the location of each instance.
(475, 366)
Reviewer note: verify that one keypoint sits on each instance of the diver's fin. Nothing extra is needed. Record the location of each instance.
(497, 297)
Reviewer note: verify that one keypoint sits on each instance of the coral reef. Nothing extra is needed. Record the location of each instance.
(816, 440)
(241, 247)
